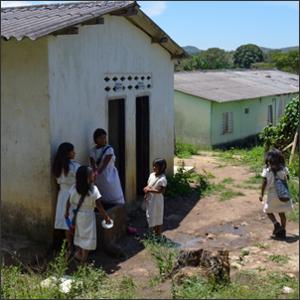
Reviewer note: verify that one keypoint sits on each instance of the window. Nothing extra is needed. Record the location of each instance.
(280, 107)
(227, 122)
(270, 114)
(246, 110)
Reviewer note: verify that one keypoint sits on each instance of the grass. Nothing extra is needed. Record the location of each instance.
(294, 214)
(183, 150)
(266, 287)
(90, 282)
(257, 179)
(164, 254)
(278, 258)
(229, 194)
(262, 245)
(228, 180)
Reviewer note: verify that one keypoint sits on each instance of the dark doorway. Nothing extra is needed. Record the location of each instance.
(116, 134)
(142, 142)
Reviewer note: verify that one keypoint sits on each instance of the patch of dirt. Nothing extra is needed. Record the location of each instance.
(235, 224)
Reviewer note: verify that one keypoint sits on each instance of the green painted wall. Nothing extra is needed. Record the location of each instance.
(245, 125)
(192, 119)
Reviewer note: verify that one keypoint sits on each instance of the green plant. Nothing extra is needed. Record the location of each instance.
(180, 183)
(229, 194)
(245, 55)
(164, 254)
(267, 286)
(227, 180)
(262, 245)
(294, 214)
(278, 258)
(183, 150)
(282, 134)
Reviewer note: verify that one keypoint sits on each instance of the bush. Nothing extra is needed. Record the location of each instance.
(183, 150)
(180, 183)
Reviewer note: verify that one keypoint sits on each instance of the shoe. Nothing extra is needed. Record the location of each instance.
(281, 234)
(277, 228)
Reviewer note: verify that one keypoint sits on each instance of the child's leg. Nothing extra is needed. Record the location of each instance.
(84, 255)
(69, 238)
(272, 218)
(277, 226)
(282, 219)
(158, 229)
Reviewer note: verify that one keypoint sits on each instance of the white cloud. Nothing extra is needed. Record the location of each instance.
(153, 8)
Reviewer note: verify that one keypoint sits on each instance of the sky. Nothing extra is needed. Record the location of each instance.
(222, 24)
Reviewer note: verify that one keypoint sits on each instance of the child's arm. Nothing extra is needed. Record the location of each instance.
(102, 212)
(159, 190)
(93, 164)
(263, 187)
(68, 204)
(106, 160)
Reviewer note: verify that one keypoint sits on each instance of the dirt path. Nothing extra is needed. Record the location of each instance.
(236, 224)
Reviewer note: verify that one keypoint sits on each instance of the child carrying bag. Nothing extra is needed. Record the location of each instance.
(282, 189)
(72, 227)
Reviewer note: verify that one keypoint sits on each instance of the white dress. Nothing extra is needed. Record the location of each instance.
(85, 229)
(108, 182)
(272, 204)
(155, 202)
(65, 183)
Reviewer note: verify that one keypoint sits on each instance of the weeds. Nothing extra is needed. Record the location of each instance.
(183, 150)
(262, 245)
(266, 287)
(228, 180)
(164, 253)
(278, 258)
(180, 183)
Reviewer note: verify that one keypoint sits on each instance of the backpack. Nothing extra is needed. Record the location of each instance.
(282, 188)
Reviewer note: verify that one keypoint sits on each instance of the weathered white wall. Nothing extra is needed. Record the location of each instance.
(79, 104)
(25, 139)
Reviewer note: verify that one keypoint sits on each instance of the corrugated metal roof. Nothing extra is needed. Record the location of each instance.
(224, 86)
(39, 20)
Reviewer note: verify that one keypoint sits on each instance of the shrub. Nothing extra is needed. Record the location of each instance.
(183, 150)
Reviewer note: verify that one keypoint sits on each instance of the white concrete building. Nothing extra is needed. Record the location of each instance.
(68, 69)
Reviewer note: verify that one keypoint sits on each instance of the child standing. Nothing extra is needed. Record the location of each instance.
(88, 195)
(102, 159)
(275, 166)
(64, 169)
(154, 198)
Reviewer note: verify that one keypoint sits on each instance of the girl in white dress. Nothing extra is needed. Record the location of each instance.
(102, 159)
(154, 198)
(85, 237)
(64, 169)
(275, 165)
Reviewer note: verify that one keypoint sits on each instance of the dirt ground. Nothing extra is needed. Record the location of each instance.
(237, 224)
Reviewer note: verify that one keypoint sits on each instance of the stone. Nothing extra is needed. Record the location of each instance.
(287, 290)
(291, 275)
(244, 224)
(211, 236)
(236, 265)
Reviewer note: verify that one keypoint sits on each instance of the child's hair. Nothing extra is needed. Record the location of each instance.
(98, 132)
(82, 185)
(274, 157)
(161, 164)
(61, 160)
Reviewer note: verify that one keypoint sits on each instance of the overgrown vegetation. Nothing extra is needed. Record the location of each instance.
(164, 252)
(266, 287)
(183, 150)
(89, 283)
(278, 258)
(183, 183)
(283, 133)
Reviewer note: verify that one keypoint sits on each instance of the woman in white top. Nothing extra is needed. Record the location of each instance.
(87, 194)
(154, 198)
(102, 159)
(275, 166)
(64, 169)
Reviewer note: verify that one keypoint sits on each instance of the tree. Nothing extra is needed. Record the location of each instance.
(214, 58)
(288, 62)
(247, 54)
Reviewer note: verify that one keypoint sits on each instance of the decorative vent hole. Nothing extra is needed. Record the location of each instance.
(129, 77)
(107, 88)
(148, 86)
(142, 77)
(136, 87)
(106, 79)
(148, 77)
(123, 78)
(136, 78)
(115, 78)
(130, 87)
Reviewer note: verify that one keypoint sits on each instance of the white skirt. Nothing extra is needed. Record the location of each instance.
(60, 222)
(274, 205)
(155, 209)
(109, 186)
(85, 230)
